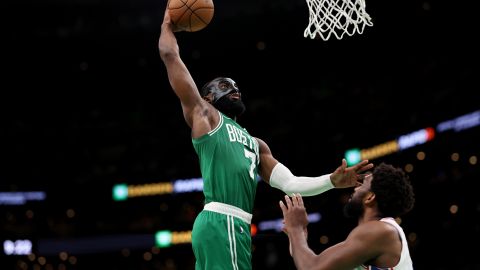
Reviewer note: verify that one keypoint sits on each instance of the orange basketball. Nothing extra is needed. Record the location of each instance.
(190, 15)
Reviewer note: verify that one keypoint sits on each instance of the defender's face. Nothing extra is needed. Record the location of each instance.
(355, 207)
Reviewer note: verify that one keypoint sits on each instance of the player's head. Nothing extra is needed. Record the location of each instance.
(387, 188)
(224, 94)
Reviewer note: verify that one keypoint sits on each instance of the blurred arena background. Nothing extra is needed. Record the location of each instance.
(87, 114)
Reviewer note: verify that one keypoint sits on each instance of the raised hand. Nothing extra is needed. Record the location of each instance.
(294, 213)
(345, 177)
(168, 22)
(295, 216)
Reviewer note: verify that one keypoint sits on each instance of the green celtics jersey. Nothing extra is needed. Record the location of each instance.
(229, 158)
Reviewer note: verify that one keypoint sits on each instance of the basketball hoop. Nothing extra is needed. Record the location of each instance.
(337, 17)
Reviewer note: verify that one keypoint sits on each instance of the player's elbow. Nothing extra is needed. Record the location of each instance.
(168, 54)
(168, 49)
(305, 264)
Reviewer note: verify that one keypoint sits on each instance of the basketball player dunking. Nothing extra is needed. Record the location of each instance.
(230, 161)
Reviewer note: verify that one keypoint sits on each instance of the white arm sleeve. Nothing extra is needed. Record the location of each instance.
(284, 180)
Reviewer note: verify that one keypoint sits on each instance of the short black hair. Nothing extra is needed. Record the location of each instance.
(393, 190)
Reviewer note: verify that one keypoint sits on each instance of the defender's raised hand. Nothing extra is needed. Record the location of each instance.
(294, 213)
(296, 216)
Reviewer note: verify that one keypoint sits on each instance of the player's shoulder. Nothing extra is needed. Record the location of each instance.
(261, 142)
(374, 229)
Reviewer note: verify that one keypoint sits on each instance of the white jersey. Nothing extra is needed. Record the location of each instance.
(405, 262)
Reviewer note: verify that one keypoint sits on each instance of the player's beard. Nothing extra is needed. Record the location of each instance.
(353, 209)
(229, 107)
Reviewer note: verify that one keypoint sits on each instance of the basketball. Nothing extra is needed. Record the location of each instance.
(190, 15)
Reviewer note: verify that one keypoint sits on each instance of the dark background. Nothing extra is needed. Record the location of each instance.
(86, 104)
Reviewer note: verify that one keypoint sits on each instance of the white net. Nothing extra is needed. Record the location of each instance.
(337, 17)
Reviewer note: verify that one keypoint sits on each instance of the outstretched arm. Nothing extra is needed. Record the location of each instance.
(279, 176)
(198, 114)
(366, 242)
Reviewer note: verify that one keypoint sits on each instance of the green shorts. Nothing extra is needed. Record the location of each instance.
(221, 241)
